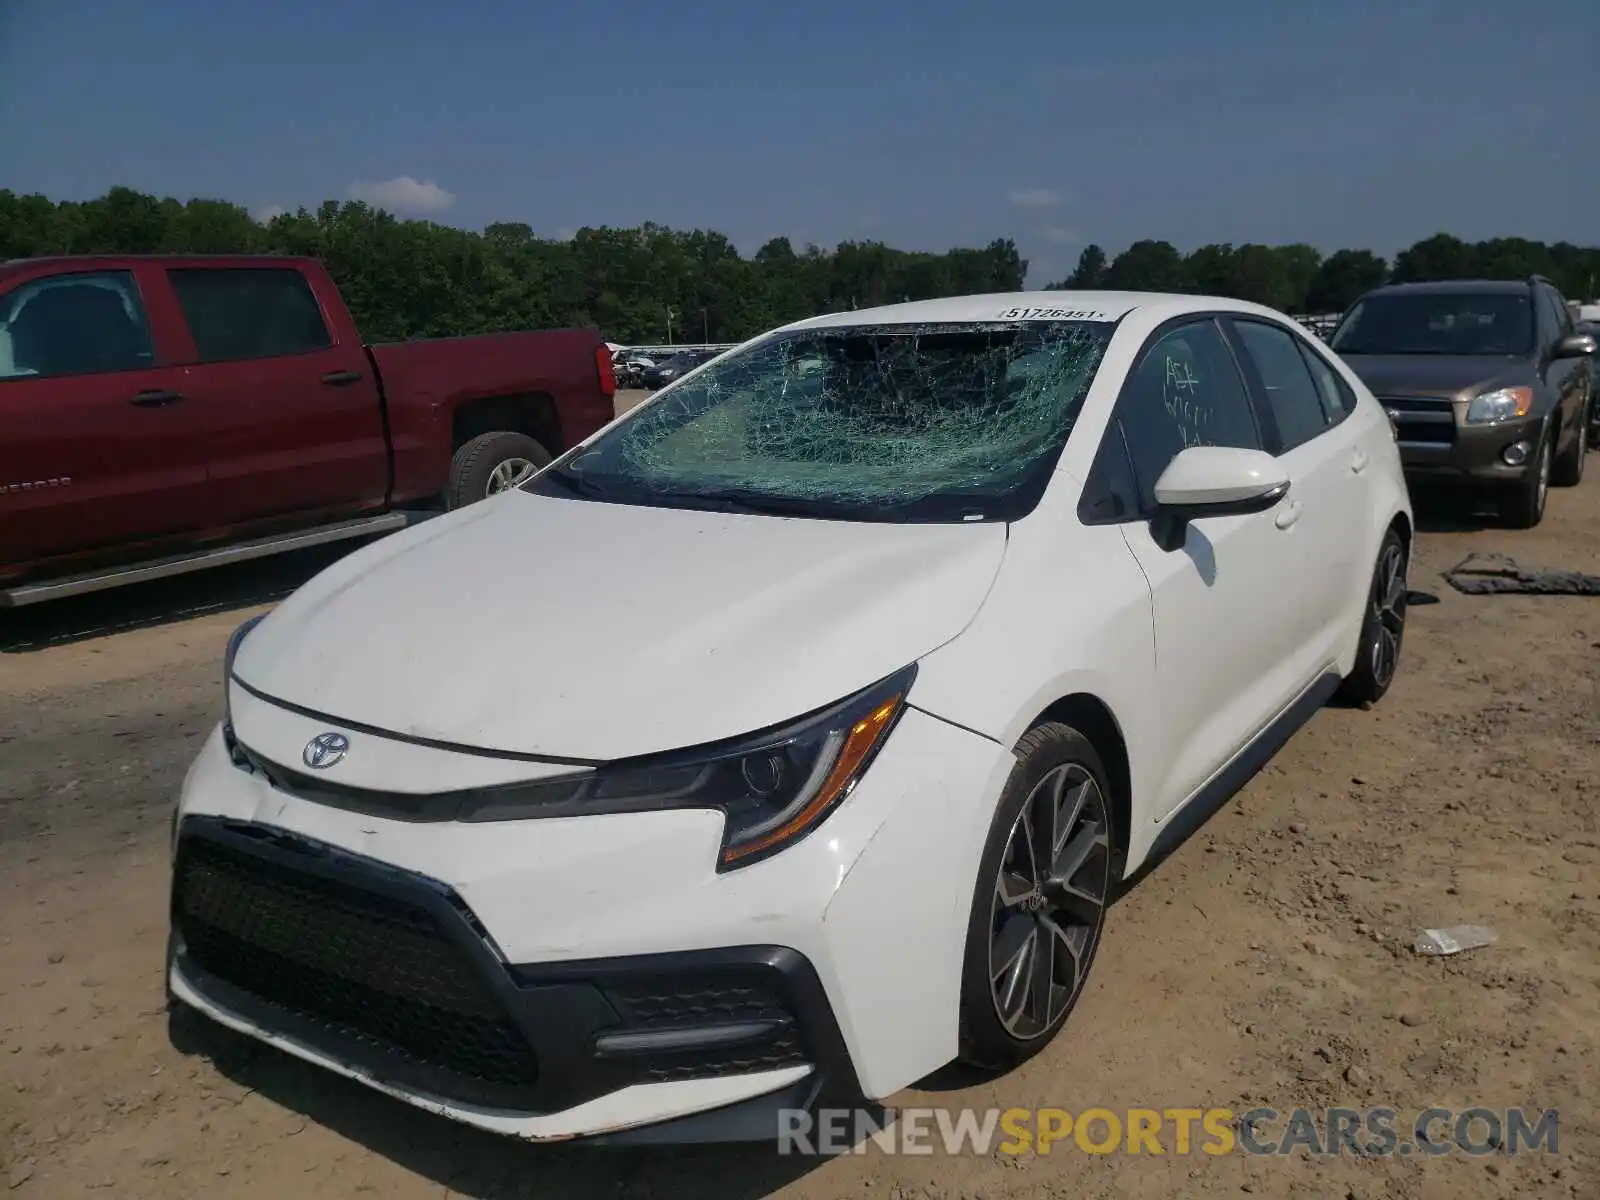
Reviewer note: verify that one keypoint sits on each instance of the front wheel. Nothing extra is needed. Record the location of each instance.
(1522, 507)
(1568, 471)
(1044, 882)
(1383, 627)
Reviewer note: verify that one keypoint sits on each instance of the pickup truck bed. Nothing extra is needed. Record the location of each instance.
(164, 414)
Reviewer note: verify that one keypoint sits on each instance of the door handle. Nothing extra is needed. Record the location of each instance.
(341, 378)
(156, 397)
(1288, 514)
(1358, 461)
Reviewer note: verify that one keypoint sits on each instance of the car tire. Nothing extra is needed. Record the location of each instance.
(1033, 933)
(1568, 469)
(1522, 506)
(492, 463)
(1383, 627)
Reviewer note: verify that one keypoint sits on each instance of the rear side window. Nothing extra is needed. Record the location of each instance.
(1186, 391)
(1338, 401)
(82, 324)
(250, 312)
(1297, 406)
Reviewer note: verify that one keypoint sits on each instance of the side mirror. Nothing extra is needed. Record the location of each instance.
(1214, 481)
(1575, 345)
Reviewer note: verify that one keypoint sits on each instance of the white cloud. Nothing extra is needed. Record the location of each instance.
(403, 194)
(1035, 197)
(566, 233)
(1057, 236)
(266, 213)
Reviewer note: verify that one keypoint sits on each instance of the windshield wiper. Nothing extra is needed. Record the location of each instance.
(572, 482)
(739, 500)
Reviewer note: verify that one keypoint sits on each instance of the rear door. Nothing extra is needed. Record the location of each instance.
(97, 444)
(1326, 507)
(295, 427)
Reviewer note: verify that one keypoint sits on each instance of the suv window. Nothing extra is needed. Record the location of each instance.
(74, 325)
(1297, 406)
(1556, 307)
(1186, 391)
(250, 312)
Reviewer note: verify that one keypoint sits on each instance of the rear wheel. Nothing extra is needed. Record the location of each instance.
(1522, 507)
(1383, 627)
(492, 463)
(1044, 881)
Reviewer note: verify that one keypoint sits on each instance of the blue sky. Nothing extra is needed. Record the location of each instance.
(925, 124)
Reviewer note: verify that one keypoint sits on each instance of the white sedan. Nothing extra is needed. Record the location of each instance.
(787, 739)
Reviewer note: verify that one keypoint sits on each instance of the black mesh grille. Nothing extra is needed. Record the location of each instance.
(711, 998)
(362, 966)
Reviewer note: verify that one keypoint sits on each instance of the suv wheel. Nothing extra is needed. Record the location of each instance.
(1522, 507)
(1044, 881)
(1569, 467)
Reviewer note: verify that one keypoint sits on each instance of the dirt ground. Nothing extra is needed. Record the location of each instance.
(1268, 962)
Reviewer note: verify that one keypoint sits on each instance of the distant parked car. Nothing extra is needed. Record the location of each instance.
(678, 365)
(871, 662)
(1488, 383)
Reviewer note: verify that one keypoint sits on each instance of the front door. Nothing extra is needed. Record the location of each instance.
(1225, 602)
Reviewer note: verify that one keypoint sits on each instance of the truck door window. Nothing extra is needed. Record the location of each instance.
(79, 324)
(252, 312)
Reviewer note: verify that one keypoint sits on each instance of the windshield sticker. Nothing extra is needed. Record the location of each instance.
(1054, 314)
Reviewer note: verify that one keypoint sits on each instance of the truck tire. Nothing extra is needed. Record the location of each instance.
(491, 463)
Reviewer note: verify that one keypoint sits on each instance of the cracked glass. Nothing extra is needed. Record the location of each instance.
(936, 422)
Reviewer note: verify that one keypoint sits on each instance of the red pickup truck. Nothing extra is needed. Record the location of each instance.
(164, 414)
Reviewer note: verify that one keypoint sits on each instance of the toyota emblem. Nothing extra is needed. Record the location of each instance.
(324, 750)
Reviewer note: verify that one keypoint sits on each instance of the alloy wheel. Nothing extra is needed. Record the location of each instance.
(1389, 609)
(509, 473)
(1049, 901)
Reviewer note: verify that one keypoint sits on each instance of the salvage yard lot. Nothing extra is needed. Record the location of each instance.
(1267, 963)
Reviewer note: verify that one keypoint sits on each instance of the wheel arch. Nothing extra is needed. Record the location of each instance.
(1092, 717)
(530, 413)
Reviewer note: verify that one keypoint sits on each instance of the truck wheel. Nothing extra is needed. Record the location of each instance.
(492, 463)
(1522, 507)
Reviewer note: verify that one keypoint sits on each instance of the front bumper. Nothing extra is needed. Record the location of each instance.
(583, 977)
(1436, 445)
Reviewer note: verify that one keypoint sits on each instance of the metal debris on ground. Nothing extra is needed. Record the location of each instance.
(1486, 574)
(1454, 940)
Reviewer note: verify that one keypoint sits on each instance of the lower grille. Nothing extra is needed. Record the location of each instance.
(705, 998)
(362, 966)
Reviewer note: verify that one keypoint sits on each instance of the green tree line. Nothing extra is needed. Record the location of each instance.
(407, 279)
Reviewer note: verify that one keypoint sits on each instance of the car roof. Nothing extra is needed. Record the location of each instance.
(1456, 286)
(1059, 305)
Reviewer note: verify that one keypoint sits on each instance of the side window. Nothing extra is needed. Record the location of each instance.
(81, 324)
(1297, 406)
(1563, 313)
(1112, 493)
(1556, 317)
(1185, 391)
(1338, 401)
(250, 312)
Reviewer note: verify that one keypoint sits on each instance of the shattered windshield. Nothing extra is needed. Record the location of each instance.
(937, 422)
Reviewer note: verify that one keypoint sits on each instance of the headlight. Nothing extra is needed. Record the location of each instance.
(235, 640)
(773, 788)
(1503, 405)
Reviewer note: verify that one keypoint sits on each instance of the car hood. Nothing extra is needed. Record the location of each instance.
(1436, 375)
(575, 629)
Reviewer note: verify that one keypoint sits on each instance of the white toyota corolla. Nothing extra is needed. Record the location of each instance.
(787, 740)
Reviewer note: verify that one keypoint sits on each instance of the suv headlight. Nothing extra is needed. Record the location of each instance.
(1506, 404)
(773, 788)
